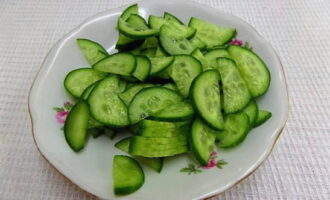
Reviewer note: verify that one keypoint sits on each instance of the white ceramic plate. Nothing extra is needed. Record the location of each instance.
(91, 169)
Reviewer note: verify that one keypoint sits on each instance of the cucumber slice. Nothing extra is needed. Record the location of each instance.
(78, 80)
(263, 116)
(122, 84)
(201, 140)
(171, 18)
(118, 63)
(252, 112)
(157, 147)
(235, 91)
(175, 46)
(205, 94)
(150, 128)
(211, 34)
(127, 175)
(92, 51)
(212, 55)
(201, 58)
(159, 64)
(128, 95)
(252, 68)
(134, 29)
(177, 30)
(143, 66)
(133, 9)
(125, 43)
(197, 43)
(236, 130)
(184, 70)
(151, 52)
(171, 86)
(75, 127)
(156, 22)
(154, 163)
(159, 103)
(88, 90)
(160, 52)
(105, 105)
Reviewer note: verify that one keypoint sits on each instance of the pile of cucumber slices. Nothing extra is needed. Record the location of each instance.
(178, 89)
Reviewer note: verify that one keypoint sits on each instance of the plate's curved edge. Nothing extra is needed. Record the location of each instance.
(60, 42)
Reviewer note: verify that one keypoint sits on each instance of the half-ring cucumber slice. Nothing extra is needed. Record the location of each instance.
(127, 175)
(159, 103)
(119, 63)
(252, 68)
(79, 79)
(201, 140)
(75, 127)
(235, 91)
(105, 105)
(205, 93)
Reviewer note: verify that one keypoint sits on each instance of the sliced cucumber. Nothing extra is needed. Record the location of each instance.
(184, 70)
(143, 66)
(201, 140)
(88, 90)
(79, 79)
(159, 103)
(156, 22)
(197, 43)
(133, 9)
(119, 63)
(105, 105)
(127, 43)
(252, 112)
(212, 55)
(236, 129)
(127, 175)
(157, 147)
(201, 58)
(175, 46)
(159, 64)
(177, 30)
(171, 86)
(211, 34)
(263, 116)
(124, 42)
(134, 29)
(92, 51)
(205, 94)
(150, 52)
(154, 163)
(75, 127)
(172, 18)
(160, 52)
(235, 91)
(151, 128)
(252, 68)
(128, 95)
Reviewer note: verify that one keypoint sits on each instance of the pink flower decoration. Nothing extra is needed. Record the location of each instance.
(236, 42)
(212, 163)
(61, 116)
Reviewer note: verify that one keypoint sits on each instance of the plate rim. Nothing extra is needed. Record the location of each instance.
(56, 46)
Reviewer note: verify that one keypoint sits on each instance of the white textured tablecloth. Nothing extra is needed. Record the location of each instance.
(298, 168)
